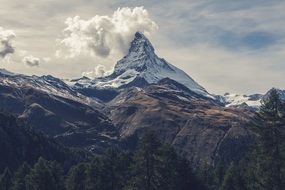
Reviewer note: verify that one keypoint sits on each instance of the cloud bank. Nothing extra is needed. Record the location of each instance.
(98, 71)
(31, 61)
(6, 37)
(101, 35)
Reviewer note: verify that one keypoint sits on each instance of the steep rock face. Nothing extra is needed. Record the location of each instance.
(280, 92)
(196, 126)
(19, 144)
(52, 107)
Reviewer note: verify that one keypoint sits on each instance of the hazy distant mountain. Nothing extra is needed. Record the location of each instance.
(250, 102)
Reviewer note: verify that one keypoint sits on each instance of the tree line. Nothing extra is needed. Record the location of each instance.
(153, 166)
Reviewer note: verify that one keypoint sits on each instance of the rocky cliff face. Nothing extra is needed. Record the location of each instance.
(52, 107)
(18, 144)
(196, 126)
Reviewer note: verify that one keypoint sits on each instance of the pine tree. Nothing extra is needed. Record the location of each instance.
(270, 152)
(169, 169)
(112, 170)
(57, 175)
(176, 172)
(93, 169)
(109, 171)
(233, 179)
(76, 178)
(185, 179)
(21, 177)
(156, 166)
(45, 175)
(6, 180)
(147, 163)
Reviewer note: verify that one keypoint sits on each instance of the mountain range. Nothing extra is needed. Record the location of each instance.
(143, 92)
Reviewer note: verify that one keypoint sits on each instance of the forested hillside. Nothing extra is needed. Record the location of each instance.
(32, 161)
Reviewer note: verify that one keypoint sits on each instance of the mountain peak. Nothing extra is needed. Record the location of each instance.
(142, 64)
(6, 72)
(141, 44)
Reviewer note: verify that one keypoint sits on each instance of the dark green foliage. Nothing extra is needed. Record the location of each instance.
(20, 181)
(93, 173)
(76, 178)
(152, 166)
(108, 171)
(270, 150)
(19, 143)
(114, 167)
(157, 166)
(147, 164)
(45, 175)
(6, 180)
(233, 179)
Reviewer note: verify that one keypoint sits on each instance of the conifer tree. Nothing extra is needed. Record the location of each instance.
(6, 180)
(76, 178)
(21, 177)
(45, 175)
(270, 151)
(112, 170)
(93, 169)
(109, 171)
(147, 163)
(233, 179)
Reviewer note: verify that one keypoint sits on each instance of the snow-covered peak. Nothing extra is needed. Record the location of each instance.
(243, 101)
(253, 101)
(141, 45)
(280, 92)
(46, 84)
(141, 63)
(5, 72)
(140, 52)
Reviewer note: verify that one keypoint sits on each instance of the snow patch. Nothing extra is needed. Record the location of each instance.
(236, 100)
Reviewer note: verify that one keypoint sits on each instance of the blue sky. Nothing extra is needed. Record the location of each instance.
(225, 45)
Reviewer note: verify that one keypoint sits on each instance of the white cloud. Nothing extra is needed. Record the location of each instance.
(22, 53)
(34, 61)
(31, 61)
(99, 71)
(46, 59)
(102, 35)
(6, 37)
